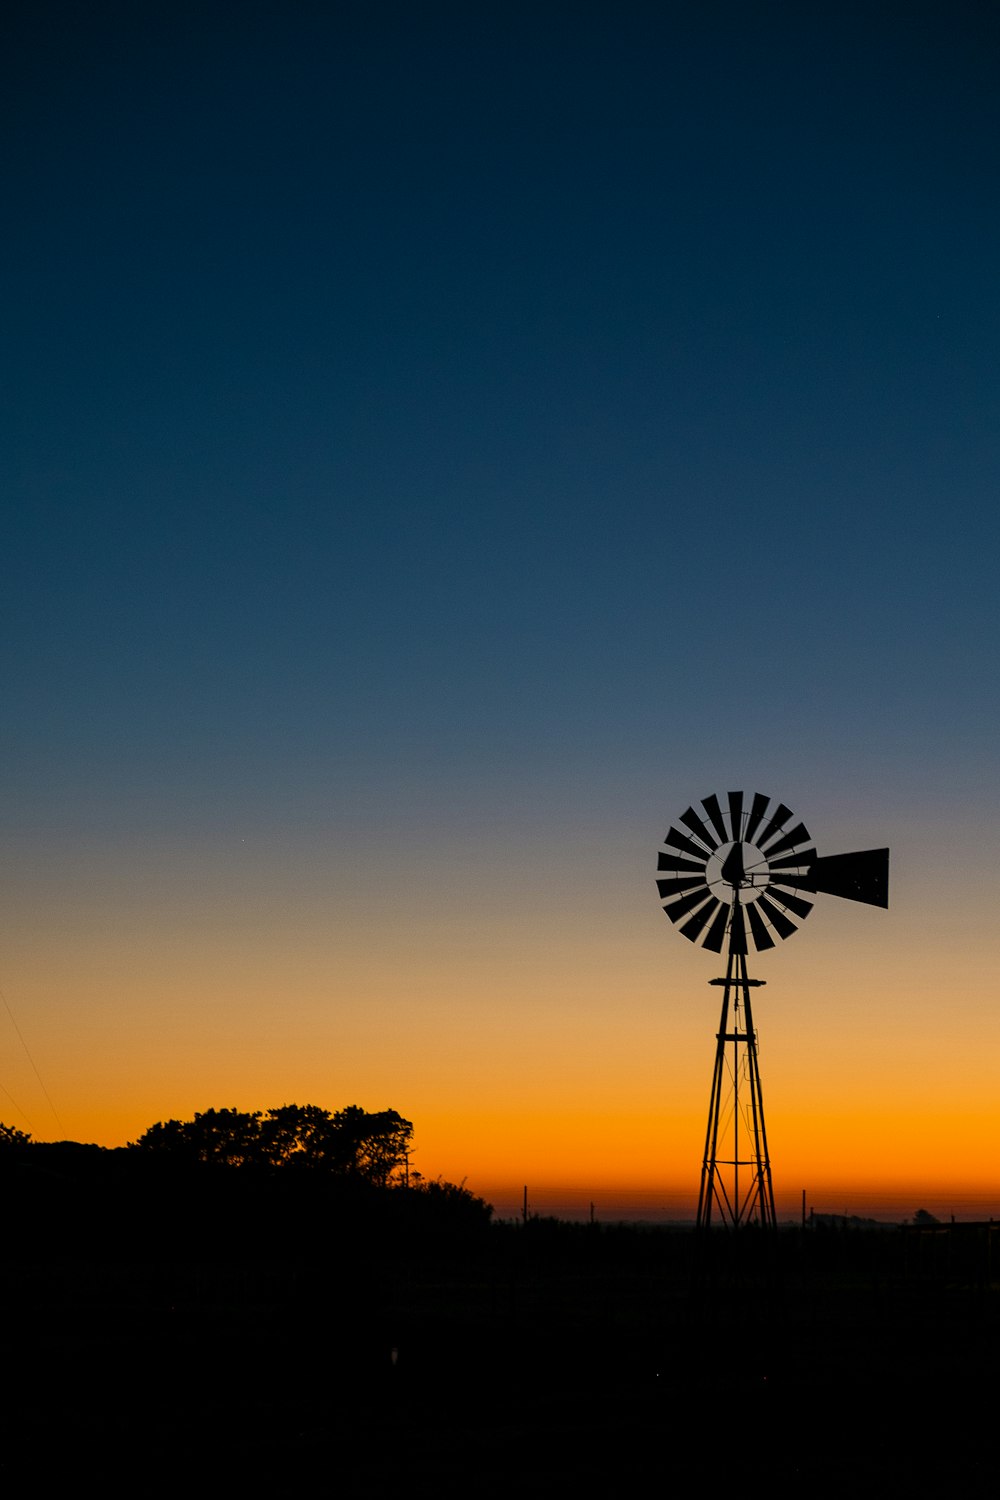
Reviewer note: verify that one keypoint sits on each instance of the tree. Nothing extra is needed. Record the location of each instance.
(374, 1147)
(10, 1136)
(298, 1135)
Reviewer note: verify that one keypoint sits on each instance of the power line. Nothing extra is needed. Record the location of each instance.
(34, 1067)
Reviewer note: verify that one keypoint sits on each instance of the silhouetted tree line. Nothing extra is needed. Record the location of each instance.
(348, 1143)
(352, 1142)
(229, 1181)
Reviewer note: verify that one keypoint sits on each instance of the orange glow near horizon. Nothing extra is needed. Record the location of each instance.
(534, 1033)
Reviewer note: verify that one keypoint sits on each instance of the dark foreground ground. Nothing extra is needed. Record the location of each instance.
(163, 1343)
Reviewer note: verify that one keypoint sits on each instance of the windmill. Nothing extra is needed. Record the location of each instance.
(733, 879)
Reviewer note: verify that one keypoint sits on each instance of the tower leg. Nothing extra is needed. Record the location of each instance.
(760, 1196)
(712, 1193)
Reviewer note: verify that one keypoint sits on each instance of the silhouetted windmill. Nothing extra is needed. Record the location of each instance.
(734, 878)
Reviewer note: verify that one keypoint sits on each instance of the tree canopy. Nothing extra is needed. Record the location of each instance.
(350, 1142)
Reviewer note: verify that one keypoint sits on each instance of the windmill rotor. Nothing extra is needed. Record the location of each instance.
(746, 870)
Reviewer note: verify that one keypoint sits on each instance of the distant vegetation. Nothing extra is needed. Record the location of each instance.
(351, 1142)
(244, 1174)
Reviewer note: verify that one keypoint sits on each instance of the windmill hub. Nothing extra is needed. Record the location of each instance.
(733, 868)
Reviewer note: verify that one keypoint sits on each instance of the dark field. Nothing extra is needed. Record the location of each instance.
(166, 1333)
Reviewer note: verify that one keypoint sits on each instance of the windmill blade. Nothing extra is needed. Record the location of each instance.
(738, 932)
(782, 926)
(736, 814)
(684, 904)
(679, 841)
(694, 924)
(798, 835)
(711, 806)
(803, 859)
(794, 903)
(697, 827)
(668, 888)
(777, 821)
(757, 811)
(762, 938)
(863, 876)
(717, 932)
(674, 862)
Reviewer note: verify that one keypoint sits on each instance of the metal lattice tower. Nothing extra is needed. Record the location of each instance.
(738, 1187)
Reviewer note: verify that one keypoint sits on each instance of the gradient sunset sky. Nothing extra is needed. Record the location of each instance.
(441, 442)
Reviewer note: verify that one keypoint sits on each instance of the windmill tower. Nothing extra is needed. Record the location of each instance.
(732, 879)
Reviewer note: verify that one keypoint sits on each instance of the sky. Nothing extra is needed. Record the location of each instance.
(440, 444)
